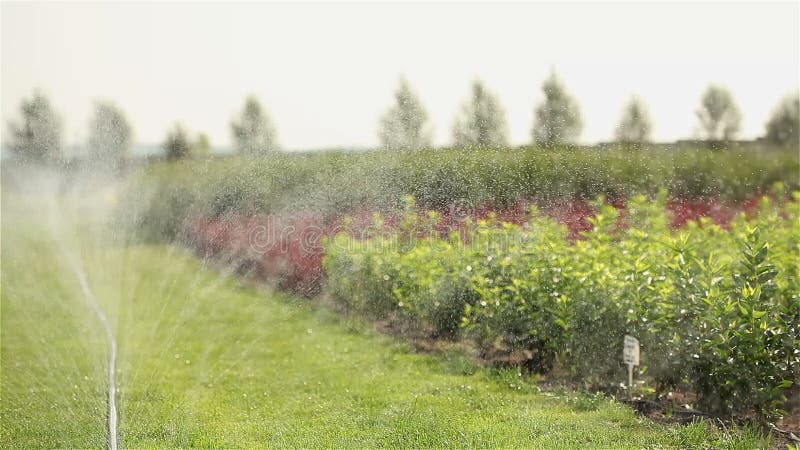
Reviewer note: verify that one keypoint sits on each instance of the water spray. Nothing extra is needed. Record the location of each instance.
(112, 351)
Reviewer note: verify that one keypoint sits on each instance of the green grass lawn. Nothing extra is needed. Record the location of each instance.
(207, 362)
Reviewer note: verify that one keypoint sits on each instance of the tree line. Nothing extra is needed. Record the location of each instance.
(480, 123)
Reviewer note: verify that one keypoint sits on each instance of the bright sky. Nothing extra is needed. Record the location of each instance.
(327, 71)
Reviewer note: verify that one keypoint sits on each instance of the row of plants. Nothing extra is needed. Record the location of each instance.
(715, 308)
(163, 196)
(286, 249)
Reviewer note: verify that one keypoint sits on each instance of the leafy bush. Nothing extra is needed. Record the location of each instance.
(716, 310)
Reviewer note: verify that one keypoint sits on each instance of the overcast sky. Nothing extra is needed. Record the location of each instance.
(327, 71)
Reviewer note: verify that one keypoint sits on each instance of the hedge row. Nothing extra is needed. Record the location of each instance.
(329, 184)
(717, 311)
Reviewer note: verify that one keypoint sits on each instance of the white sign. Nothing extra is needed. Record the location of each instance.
(630, 351)
(630, 355)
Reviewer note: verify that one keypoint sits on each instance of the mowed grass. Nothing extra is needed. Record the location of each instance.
(208, 362)
(52, 355)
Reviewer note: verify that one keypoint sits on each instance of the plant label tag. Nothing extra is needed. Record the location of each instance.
(630, 351)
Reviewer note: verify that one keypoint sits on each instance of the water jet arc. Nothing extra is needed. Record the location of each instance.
(112, 352)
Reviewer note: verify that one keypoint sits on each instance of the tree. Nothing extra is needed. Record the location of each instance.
(38, 138)
(405, 125)
(635, 125)
(202, 146)
(110, 134)
(481, 121)
(254, 134)
(718, 114)
(177, 145)
(558, 117)
(782, 127)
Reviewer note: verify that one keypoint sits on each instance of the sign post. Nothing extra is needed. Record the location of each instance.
(630, 355)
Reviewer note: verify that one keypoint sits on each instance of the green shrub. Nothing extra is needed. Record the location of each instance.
(750, 353)
(360, 280)
(519, 282)
(716, 311)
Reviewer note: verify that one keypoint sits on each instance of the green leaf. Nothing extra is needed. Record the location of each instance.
(743, 310)
(761, 256)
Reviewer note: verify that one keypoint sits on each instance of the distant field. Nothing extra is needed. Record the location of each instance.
(205, 362)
